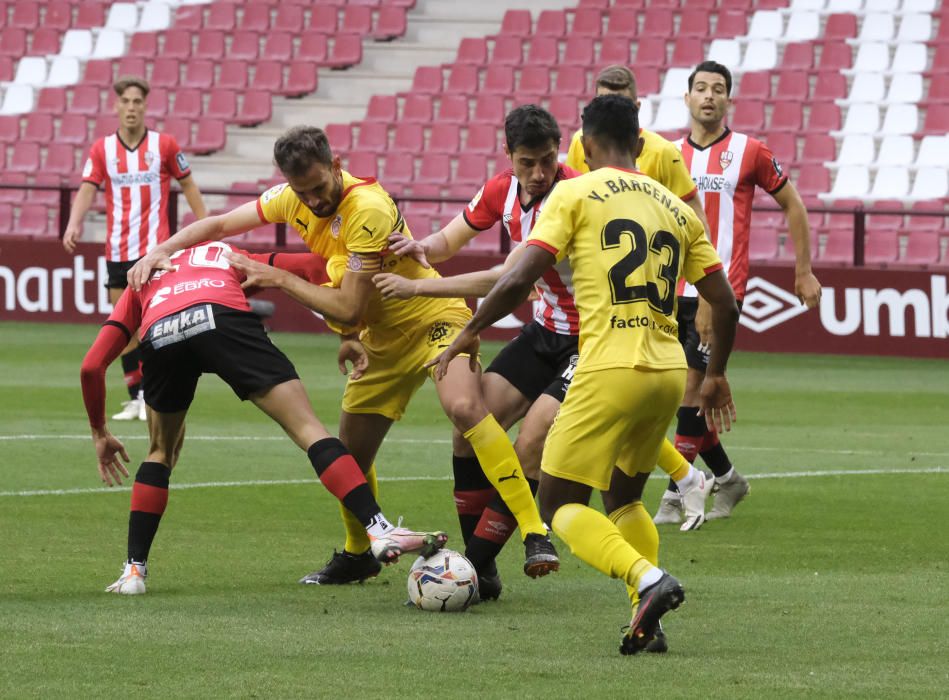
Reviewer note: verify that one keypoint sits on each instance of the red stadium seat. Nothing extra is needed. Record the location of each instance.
(623, 24)
(444, 138)
(813, 179)
(881, 247)
(939, 88)
(453, 109)
(830, 86)
(587, 22)
(391, 22)
(165, 73)
(436, 169)
(39, 128)
(786, 117)
(103, 126)
(784, 147)
(33, 220)
(472, 169)
(571, 79)
(157, 102)
(324, 19)
(534, 80)
(551, 23)
(507, 51)
(211, 136)
(362, 164)
(245, 46)
(340, 137)
(222, 17)
(198, 74)
(373, 136)
(463, 80)
(824, 117)
(177, 45)
(658, 22)
(754, 86)
(748, 115)
(89, 15)
(427, 80)
(357, 19)
(382, 108)
(25, 158)
(579, 52)
(418, 108)
(409, 138)
(85, 100)
(50, 101)
(289, 19)
(937, 119)
(13, 42)
(222, 104)
(399, 169)
(6, 68)
(835, 57)
(498, 80)
(482, 139)
(613, 50)
(347, 51)
(6, 216)
(188, 103)
(58, 16)
(694, 24)
(423, 191)
(516, 23)
(792, 86)
(840, 27)
(256, 108)
(11, 196)
(798, 57)
(819, 148)
(268, 75)
(255, 18)
(731, 23)
(489, 109)
(45, 41)
(73, 129)
(566, 110)
(9, 131)
(763, 243)
(922, 248)
(651, 52)
(647, 80)
(233, 75)
(687, 53)
(278, 46)
(191, 17)
(839, 247)
(315, 49)
(127, 66)
(144, 45)
(60, 160)
(472, 51)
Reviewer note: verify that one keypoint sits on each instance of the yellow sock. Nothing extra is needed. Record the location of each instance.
(357, 541)
(637, 528)
(598, 542)
(672, 462)
(499, 461)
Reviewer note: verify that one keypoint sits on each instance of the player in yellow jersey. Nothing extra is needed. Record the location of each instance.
(343, 217)
(628, 240)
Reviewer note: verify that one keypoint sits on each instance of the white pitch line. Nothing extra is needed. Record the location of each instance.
(290, 482)
(445, 441)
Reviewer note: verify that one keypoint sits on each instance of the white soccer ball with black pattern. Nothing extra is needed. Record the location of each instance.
(445, 582)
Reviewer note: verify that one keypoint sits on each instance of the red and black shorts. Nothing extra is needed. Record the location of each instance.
(214, 339)
(116, 273)
(538, 361)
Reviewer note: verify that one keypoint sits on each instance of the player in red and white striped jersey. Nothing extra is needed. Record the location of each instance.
(136, 166)
(727, 167)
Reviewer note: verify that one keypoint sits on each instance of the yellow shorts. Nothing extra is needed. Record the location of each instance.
(397, 364)
(612, 417)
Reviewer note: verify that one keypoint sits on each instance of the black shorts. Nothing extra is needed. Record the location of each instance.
(211, 338)
(538, 361)
(117, 272)
(696, 354)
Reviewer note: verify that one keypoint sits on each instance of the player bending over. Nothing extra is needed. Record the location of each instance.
(192, 319)
(628, 239)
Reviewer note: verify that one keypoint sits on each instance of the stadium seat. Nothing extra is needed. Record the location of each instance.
(507, 51)
(157, 102)
(73, 129)
(427, 80)
(256, 107)
(784, 146)
(12, 42)
(268, 75)
(915, 28)
(763, 243)
(473, 51)
(324, 19)
(813, 179)
(6, 218)
(481, 139)
(534, 80)
(651, 51)
(50, 101)
(766, 24)
(453, 109)
(462, 80)
(694, 24)
(930, 183)
(872, 57)
(675, 82)
(802, 26)
(17, 99)
(516, 23)
(63, 71)
(671, 115)
(110, 43)
(658, 22)
(418, 109)
(435, 169)
(587, 22)
(177, 44)
(840, 27)
(314, 50)
(867, 87)
(731, 23)
(895, 150)
(233, 75)
(551, 23)
(932, 151)
(489, 109)
(347, 51)
(798, 57)
(877, 26)
(362, 164)
(38, 128)
(144, 45)
(26, 15)
(60, 160)
(123, 17)
(571, 80)
(688, 52)
(222, 104)
(357, 19)
(13, 195)
(6, 69)
(126, 66)
(839, 247)
(936, 120)
(851, 182)
(45, 41)
(566, 110)
(757, 85)
(911, 58)
(191, 17)
(31, 70)
(409, 138)
(922, 248)
(498, 80)
(156, 16)
(340, 137)
(906, 88)
(793, 86)
(382, 108)
(198, 74)
(760, 54)
(104, 125)
(9, 132)
(188, 103)
(725, 51)
(579, 52)
(829, 86)
(472, 169)
(278, 46)
(836, 56)
(881, 247)
(85, 100)
(289, 18)
(373, 137)
(33, 220)
(25, 158)
(398, 170)
(748, 115)
(900, 119)
(891, 182)
(614, 50)
(622, 23)
(89, 15)
(255, 18)
(823, 117)
(245, 46)
(99, 73)
(391, 22)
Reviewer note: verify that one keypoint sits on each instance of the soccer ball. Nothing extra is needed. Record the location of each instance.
(445, 582)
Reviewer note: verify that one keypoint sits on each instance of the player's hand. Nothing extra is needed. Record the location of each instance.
(394, 286)
(354, 352)
(71, 238)
(466, 341)
(401, 245)
(108, 450)
(716, 404)
(257, 274)
(141, 271)
(807, 289)
(703, 322)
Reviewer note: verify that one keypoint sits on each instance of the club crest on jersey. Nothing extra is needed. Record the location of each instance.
(725, 159)
(477, 198)
(336, 226)
(438, 331)
(149, 158)
(354, 263)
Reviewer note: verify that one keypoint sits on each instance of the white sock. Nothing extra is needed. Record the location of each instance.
(690, 480)
(141, 395)
(649, 578)
(379, 526)
(728, 476)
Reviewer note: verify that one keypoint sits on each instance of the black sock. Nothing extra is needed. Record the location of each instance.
(492, 533)
(690, 428)
(131, 368)
(473, 491)
(342, 477)
(715, 457)
(149, 499)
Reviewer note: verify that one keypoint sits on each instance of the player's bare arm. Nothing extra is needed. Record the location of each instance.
(806, 286)
(510, 290)
(439, 246)
(346, 304)
(189, 188)
(213, 228)
(703, 315)
(80, 205)
(715, 399)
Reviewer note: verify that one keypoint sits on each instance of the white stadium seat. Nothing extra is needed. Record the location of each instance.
(933, 151)
(900, 119)
(915, 28)
(645, 112)
(852, 182)
(671, 115)
(64, 70)
(890, 183)
(856, 149)
(31, 70)
(806, 6)
(910, 58)
(156, 16)
(109, 44)
(77, 43)
(931, 183)
(876, 27)
(896, 150)
(725, 51)
(766, 24)
(873, 57)
(920, 5)
(676, 82)
(760, 54)
(803, 26)
(18, 99)
(867, 87)
(905, 87)
(844, 6)
(123, 16)
(862, 119)
(881, 5)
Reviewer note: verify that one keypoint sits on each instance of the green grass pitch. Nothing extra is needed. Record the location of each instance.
(830, 580)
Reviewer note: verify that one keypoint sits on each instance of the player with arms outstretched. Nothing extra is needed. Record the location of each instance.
(192, 319)
(628, 239)
(340, 216)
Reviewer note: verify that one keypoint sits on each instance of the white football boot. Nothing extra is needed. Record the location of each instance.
(728, 495)
(131, 410)
(693, 502)
(132, 580)
(670, 509)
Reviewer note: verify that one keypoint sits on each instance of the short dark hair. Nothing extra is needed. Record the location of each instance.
(530, 126)
(300, 147)
(612, 120)
(617, 78)
(127, 81)
(713, 67)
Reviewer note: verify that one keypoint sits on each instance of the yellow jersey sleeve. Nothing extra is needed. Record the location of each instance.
(555, 227)
(700, 256)
(366, 236)
(576, 158)
(276, 204)
(662, 161)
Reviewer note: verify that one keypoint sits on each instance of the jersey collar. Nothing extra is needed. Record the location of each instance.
(135, 147)
(725, 134)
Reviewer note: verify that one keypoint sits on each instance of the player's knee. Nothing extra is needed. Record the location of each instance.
(465, 412)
